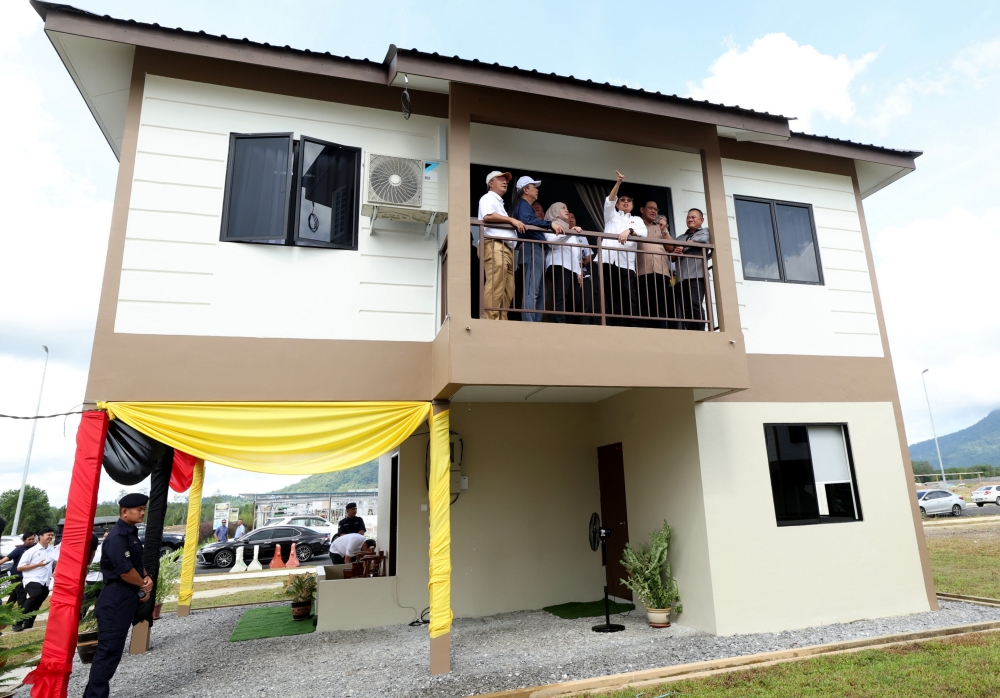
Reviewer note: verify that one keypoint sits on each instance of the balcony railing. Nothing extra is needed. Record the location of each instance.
(606, 289)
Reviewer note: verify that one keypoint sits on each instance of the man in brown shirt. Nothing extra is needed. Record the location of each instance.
(656, 295)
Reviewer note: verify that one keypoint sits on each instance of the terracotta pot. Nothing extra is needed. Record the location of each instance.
(86, 646)
(156, 610)
(301, 610)
(658, 617)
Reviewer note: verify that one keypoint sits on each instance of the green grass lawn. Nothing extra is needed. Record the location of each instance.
(962, 666)
(965, 559)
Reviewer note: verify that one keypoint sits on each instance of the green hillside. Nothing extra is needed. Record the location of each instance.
(975, 445)
(362, 477)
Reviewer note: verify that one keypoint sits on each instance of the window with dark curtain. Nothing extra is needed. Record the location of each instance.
(756, 233)
(258, 187)
(798, 248)
(792, 482)
(327, 194)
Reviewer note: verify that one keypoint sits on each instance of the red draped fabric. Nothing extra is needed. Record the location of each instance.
(51, 677)
(183, 471)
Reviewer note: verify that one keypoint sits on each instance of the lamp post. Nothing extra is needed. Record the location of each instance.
(933, 430)
(31, 442)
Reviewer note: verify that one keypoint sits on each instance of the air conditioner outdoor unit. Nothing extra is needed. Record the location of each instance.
(405, 190)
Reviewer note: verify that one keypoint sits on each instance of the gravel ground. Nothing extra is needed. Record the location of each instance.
(192, 656)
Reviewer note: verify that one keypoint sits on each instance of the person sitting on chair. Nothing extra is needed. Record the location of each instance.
(348, 546)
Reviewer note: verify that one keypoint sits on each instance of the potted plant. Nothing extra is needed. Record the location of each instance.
(649, 577)
(301, 588)
(167, 578)
(12, 658)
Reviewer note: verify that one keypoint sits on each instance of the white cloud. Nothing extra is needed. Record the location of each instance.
(937, 279)
(979, 62)
(778, 75)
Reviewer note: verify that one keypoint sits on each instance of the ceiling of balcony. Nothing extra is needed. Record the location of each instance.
(532, 393)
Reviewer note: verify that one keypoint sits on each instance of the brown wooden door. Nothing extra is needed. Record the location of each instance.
(614, 514)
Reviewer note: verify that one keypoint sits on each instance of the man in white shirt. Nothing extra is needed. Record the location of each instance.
(621, 285)
(36, 567)
(348, 545)
(241, 530)
(497, 254)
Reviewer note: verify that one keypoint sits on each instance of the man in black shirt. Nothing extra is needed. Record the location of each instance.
(15, 557)
(352, 523)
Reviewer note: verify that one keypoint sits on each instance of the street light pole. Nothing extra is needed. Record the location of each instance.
(31, 442)
(933, 430)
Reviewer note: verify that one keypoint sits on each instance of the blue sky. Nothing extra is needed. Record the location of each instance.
(906, 75)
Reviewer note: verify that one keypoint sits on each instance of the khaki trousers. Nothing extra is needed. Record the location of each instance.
(498, 264)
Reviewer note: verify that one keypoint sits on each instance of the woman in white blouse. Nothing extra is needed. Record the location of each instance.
(563, 262)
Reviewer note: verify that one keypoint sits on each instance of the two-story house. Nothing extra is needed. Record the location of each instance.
(294, 226)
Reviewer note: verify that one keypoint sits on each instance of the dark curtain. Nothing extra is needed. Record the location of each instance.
(156, 512)
(130, 455)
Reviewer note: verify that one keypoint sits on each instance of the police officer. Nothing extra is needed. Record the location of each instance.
(124, 581)
(352, 523)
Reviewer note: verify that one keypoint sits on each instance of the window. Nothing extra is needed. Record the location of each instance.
(777, 241)
(812, 473)
(259, 536)
(283, 191)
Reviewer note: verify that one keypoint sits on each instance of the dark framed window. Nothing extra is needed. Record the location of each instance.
(812, 474)
(778, 241)
(258, 186)
(284, 191)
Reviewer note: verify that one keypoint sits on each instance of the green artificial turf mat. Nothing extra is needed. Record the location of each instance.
(586, 609)
(273, 621)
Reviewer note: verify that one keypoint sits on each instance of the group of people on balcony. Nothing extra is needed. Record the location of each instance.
(645, 283)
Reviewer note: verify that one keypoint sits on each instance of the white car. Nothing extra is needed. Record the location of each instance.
(939, 502)
(315, 523)
(8, 544)
(986, 494)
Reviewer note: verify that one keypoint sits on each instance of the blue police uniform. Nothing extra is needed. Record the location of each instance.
(117, 604)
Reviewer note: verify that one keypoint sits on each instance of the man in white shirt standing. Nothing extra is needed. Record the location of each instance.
(36, 567)
(621, 285)
(497, 255)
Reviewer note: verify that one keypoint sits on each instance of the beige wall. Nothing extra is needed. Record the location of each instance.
(662, 481)
(767, 578)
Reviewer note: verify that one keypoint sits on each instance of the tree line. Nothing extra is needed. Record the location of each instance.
(923, 467)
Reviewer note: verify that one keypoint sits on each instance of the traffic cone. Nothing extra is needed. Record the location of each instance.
(276, 562)
(293, 559)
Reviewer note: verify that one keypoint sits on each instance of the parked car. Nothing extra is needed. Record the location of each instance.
(8, 543)
(934, 502)
(986, 493)
(308, 544)
(316, 523)
(170, 542)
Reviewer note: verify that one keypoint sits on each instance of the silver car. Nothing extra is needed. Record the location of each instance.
(987, 494)
(933, 502)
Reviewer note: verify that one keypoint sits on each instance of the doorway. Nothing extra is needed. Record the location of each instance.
(614, 515)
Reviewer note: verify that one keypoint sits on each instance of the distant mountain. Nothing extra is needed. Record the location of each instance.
(362, 477)
(975, 445)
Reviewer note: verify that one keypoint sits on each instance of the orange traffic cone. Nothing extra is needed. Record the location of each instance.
(276, 562)
(293, 559)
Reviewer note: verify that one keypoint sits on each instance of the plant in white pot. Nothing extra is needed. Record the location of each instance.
(649, 577)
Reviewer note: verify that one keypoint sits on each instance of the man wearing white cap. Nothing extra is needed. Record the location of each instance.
(532, 253)
(497, 255)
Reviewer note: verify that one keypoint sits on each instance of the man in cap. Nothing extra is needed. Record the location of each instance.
(352, 523)
(532, 253)
(125, 581)
(497, 254)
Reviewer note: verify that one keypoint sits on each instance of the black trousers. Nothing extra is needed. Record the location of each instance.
(34, 596)
(656, 300)
(691, 299)
(621, 295)
(115, 608)
(337, 559)
(17, 596)
(589, 302)
(566, 293)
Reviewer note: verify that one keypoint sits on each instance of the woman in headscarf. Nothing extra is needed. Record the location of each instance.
(563, 262)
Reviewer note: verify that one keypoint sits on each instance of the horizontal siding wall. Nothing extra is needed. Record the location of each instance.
(835, 319)
(178, 278)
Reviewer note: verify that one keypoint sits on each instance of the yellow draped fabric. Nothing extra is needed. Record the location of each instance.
(191, 534)
(302, 438)
(439, 495)
(287, 438)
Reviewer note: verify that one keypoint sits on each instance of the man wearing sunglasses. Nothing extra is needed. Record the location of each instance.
(621, 286)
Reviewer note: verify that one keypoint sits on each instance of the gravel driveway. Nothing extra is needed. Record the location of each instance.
(192, 656)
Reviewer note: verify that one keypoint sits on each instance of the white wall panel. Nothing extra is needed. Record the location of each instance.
(835, 319)
(178, 278)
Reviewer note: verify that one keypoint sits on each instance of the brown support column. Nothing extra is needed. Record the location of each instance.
(718, 224)
(918, 526)
(140, 638)
(441, 645)
(459, 237)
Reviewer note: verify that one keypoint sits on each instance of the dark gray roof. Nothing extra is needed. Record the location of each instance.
(831, 139)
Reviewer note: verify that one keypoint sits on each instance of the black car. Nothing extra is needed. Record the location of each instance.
(308, 544)
(170, 542)
(103, 524)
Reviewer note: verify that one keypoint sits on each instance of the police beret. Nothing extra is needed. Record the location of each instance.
(352, 505)
(135, 499)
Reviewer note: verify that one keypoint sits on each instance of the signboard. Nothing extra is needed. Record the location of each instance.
(221, 512)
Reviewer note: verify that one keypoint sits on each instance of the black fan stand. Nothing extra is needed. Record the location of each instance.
(598, 531)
